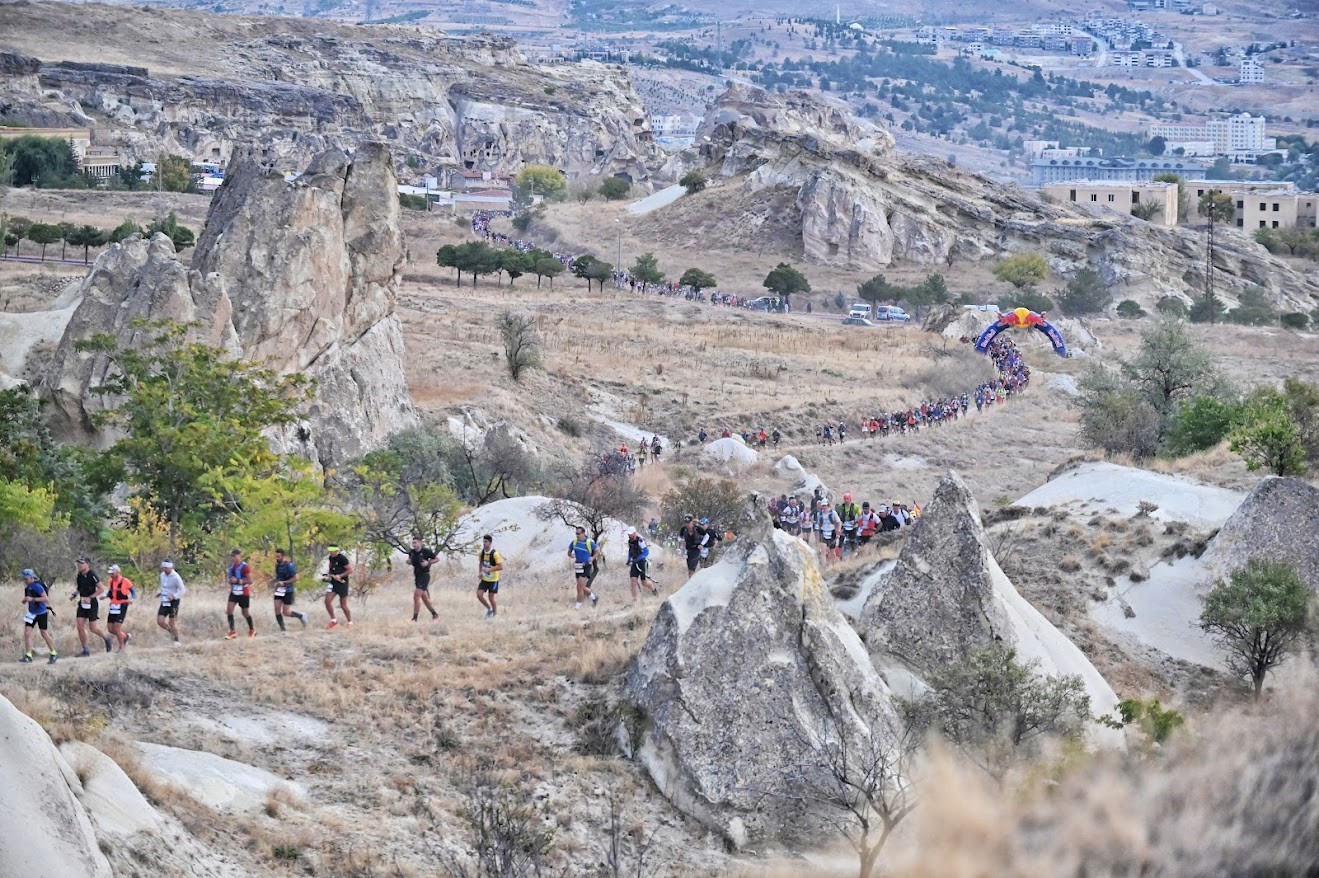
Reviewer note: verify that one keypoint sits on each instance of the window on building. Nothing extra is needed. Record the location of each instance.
(1262, 206)
(1275, 224)
(1112, 197)
(1241, 205)
(1263, 223)
(1275, 207)
(1240, 222)
(1135, 198)
(1072, 195)
(1094, 196)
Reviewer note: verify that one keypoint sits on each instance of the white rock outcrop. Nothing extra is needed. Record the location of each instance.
(748, 672)
(48, 833)
(946, 596)
(300, 276)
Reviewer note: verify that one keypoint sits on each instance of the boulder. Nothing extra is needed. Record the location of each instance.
(301, 276)
(1276, 522)
(731, 450)
(49, 834)
(222, 784)
(746, 670)
(946, 596)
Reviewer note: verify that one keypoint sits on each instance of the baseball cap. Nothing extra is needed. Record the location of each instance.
(29, 573)
(236, 552)
(83, 559)
(631, 531)
(687, 518)
(114, 568)
(167, 564)
(705, 521)
(333, 548)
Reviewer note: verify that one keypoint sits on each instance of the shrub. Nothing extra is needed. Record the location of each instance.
(1171, 306)
(1129, 309)
(615, 188)
(1084, 294)
(521, 342)
(693, 182)
(1200, 424)
(412, 202)
(1295, 320)
(1255, 309)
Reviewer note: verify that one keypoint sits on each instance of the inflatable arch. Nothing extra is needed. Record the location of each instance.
(1022, 318)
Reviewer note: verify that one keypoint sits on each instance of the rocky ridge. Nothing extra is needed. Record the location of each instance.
(861, 204)
(298, 87)
(302, 276)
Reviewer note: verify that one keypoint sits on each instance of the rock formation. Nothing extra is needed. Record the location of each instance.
(1278, 521)
(861, 204)
(747, 671)
(947, 596)
(49, 834)
(302, 276)
(298, 87)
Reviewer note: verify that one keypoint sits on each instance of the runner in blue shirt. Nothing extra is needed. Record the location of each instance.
(35, 598)
(584, 553)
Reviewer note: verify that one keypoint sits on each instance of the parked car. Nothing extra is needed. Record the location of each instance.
(892, 313)
(857, 321)
(993, 308)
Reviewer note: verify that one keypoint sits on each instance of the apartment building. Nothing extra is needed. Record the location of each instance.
(1250, 71)
(1121, 197)
(1264, 204)
(1242, 134)
(1116, 168)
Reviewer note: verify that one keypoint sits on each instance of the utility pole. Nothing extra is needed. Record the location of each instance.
(1209, 261)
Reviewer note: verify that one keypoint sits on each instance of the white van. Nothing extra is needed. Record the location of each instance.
(860, 309)
(892, 313)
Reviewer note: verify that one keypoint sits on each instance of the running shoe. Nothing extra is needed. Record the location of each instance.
(26, 660)
(577, 606)
(489, 614)
(54, 656)
(595, 599)
(334, 623)
(303, 620)
(251, 633)
(85, 653)
(177, 643)
(232, 635)
(108, 641)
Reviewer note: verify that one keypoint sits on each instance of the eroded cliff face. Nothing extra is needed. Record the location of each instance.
(295, 88)
(865, 206)
(300, 276)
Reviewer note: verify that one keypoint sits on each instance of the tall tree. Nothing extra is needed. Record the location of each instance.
(1023, 271)
(44, 234)
(698, 279)
(1086, 293)
(87, 237)
(193, 421)
(785, 280)
(1259, 616)
(541, 181)
(646, 269)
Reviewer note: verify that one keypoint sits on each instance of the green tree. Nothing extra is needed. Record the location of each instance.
(1297, 320)
(40, 161)
(44, 234)
(391, 505)
(1267, 438)
(130, 176)
(1168, 368)
(693, 182)
(588, 268)
(1300, 399)
(1171, 306)
(181, 236)
(646, 269)
(30, 457)
(288, 509)
(1129, 309)
(66, 229)
(544, 264)
(192, 420)
(1258, 616)
(785, 280)
(1218, 205)
(615, 188)
(1115, 418)
(1255, 308)
(514, 264)
(1200, 423)
(521, 342)
(541, 180)
(174, 174)
(1183, 200)
(1086, 293)
(449, 256)
(997, 708)
(1208, 308)
(1026, 297)
(698, 279)
(124, 231)
(1023, 271)
(878, 289)
(1156, 145)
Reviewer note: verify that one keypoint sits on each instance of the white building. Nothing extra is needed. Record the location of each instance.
(1251, 71)
(1242, 134)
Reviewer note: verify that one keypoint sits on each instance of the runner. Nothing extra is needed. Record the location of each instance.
(584, 553)
(638, 555)
(339, 569)
(709, 536)
(691, 541)
(240, 593)
(36, 598)
(830, 525)
(88, 595)
(849, 513)
(491, 564)
(119, 592)
(171, 595)
(421, 558)
(286, 591)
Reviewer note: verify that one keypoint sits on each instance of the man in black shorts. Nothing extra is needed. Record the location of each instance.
(240, 594)
(36, 598)
(487, 587)
(171, 593)
(421, 558)
(338, 569)
(286, 590)
(88, 594)
(692, 538)
(119, 596)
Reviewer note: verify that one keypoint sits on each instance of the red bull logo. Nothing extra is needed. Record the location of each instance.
(1021, 318)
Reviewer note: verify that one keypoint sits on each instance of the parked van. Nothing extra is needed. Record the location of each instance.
(860, 309)
(892, 313)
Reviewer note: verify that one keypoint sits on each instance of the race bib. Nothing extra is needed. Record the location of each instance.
(237, 589)
(329, 587)
(580, 568)
(116, 606)
(29, 618)
(705, 553)
(279, 592)
(86, 603)
(165, 602)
